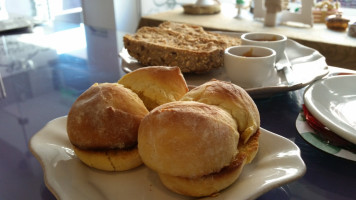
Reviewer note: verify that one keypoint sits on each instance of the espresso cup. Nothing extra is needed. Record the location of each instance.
(249, 66)
(274, 41)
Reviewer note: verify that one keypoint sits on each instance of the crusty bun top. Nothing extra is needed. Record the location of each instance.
(188, 139)
(156, 85)
(233, 99)
(106, 116)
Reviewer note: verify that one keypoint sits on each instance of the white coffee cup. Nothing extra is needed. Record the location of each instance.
(249, 66)
(274, 41)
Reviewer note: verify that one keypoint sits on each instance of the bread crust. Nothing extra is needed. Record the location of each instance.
(102, 125)
(171, 142)
(173, 44)
(199, 32)
(106, 116)
(231, 98)
(151, 54)
(212, 183)
(157, 84)
(188, 139)
(110, 160)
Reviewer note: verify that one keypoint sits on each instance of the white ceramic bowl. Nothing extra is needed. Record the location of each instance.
(249, 66)
(274, 41)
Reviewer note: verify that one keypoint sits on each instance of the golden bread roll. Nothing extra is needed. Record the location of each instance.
(106, 117)
(194, 144)
(188, 139)
(231, 98)
(194, 147)
(156, 85)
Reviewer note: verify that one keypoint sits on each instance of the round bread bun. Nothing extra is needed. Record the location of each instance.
(194, 147)
(156, 85)
(233, 99)
(194, 144)
(188, 139)
(102, 125)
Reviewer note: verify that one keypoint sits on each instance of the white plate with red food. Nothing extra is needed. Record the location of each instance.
(332, 101)
(277, 162)
(308, 65)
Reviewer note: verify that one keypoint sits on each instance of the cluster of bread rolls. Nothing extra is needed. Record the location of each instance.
(198, 141)
(103, 122)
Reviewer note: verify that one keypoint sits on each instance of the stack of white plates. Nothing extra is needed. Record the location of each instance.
(332, 101)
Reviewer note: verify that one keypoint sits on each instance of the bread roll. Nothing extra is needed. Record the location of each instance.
(106, 118)
(174, 44)
(194, 144)
(231, 98)
(194, 147)
(188, 139)
(156, 85)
